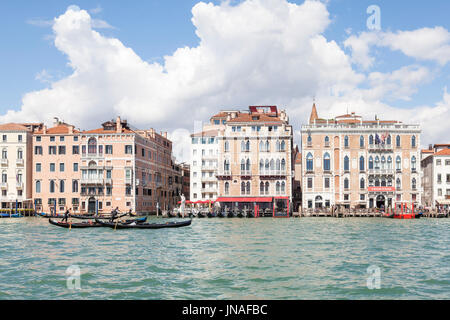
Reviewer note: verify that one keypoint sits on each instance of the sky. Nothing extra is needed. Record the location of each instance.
(168, 64)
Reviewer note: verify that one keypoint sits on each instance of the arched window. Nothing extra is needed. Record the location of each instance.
(242, 187)
(397, 141)
(346, 141)
(361, 141)
(283, 187)
(261, 146)
(227, 187)
(346, 183)
(398, 163)
(383, 162)
(92, 146)
(413, 141)
(20, 153)
(389, 162)
(266, 167)
(383, 182)
(377, 162)
(388, 141)
(309, 162)
(52, 186)
(267, 188)
(277, 187)
(371, 139)
(242, 165)
(261, 188)
(413, 163)
(247, 165)
(370, 163)
(38, 186)
(4, 153)
(226, 165)
(4, 176)
(327, 141)
(389, 182)
(361, 163)
(362, 183)
(248, 187)
(278, 165)
(346, 163)
(261, 165)
(309, 140)
(414, 183)
(227, 146)
(283, 145)
(61, 186)
(267, 146)
(272, 165)
(74, 185)
(283, 165)
(243, 146)
(326, 162)
(377, 182)
(398, 184)
(247, 145)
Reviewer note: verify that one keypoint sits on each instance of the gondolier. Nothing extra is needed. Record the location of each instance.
(66, 216)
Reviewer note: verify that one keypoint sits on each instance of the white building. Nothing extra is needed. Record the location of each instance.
(16, 165)
(435, 165)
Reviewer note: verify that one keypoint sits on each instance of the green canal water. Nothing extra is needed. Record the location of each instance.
(307, 258)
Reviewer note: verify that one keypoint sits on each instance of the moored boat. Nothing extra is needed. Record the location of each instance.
(91, 224)
(172, 224)
(8, 215)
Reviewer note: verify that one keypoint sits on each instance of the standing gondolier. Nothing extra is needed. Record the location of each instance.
(66, 216)
(114, 214)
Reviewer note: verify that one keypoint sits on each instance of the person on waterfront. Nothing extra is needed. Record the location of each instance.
(66, 216)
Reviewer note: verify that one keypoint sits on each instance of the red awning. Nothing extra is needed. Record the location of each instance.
(260, 199)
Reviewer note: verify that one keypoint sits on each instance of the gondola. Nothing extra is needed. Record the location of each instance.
(201, 215)
(49, 215)
(118, 225)
(221, 215)
(251, 214)
(91, 224)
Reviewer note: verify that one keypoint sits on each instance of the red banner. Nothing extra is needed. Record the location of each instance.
(381, 189)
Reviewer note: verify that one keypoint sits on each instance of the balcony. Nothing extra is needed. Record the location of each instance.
(92, 155)
(273, 172)
(381, 147)
(381, 171)
(20, 162)
(209, 179)
(19, 185)
(4, 162)
(209, 190)
(209, 168)
(128, 180)
(108, 181)
(246, 173)
(92, 181)
(4, 186)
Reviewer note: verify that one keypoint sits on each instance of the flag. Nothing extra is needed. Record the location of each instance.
(377, 139)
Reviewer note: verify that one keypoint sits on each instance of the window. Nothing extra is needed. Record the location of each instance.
(327, 141)
(143, 152)
(92, 146)
(326, 162)
(75, 167)
(310, 183)
(128, 149)
(361, 163)
(38, 139)
(309, 162)
(389, 162)
(38, 167)
(52, 150)
(362, 183)
(346, 163)
(226, 146)
(398, 184)
(397, 141)
(75, 138)
(414, 183)
(61, 186)
(413, 141)
(38, 186)
(227, 187)
(388, 141)
(52, 186)
(74, 186)
(38, 150)
(439, 178)
(370, 163)
(75, 150)
(52, 167)
(398, 163)
(4, 153)
(109, 149)
(309, 140)
(448, 178)
(371, 139)
(346, 141)
(361, 142)
(61, 167)
(61, 138)
(439, 192)
(413, 163)
(362, 197)
(438, 162)
(327, 183)
(346, 183)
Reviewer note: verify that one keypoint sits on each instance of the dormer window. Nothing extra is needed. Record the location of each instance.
(255, 118)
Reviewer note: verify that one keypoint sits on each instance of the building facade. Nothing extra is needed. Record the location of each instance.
(435, 165)
(16, 158)
(350, 162)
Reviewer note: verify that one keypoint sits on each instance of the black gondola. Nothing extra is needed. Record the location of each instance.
(117, 225)
(90, 223)
(221, 215)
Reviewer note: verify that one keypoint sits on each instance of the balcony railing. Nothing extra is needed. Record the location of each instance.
(4, 185)
(246, 172)
(92, 180)
(380, 147)
(224, 173)
(207, 179)
(381, 171)
(19, 162)
(272, 172)
(108, 181)
(4, 162)
(19, 185)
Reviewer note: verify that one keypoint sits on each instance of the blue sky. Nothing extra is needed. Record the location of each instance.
(154, 28)
(30, 62)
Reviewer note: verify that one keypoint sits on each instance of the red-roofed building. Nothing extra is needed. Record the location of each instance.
(435, 166)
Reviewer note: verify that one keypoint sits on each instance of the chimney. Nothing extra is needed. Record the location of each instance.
(45, 130)
(430, 147)
(55, 121)
(118, 125)
(71, 129)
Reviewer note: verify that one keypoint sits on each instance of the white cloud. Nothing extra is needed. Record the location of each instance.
(431, 44)
(255, 52)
